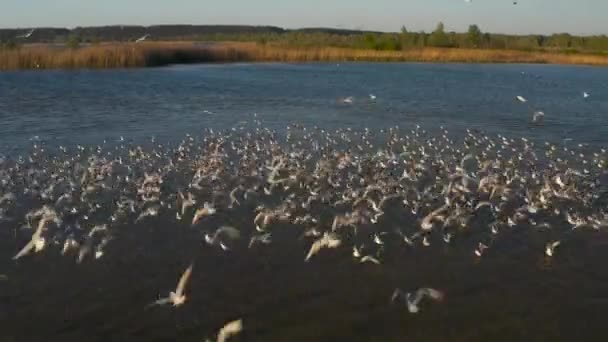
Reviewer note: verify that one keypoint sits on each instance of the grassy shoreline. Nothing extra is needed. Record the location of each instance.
(153, 54)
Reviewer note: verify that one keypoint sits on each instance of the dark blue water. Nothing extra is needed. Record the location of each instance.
(86, 107)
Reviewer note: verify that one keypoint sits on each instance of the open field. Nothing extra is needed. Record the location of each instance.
(151, 54)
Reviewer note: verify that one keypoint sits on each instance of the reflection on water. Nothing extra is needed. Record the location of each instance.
(110, 223)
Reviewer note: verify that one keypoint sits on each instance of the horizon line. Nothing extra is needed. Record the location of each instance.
(337, 28)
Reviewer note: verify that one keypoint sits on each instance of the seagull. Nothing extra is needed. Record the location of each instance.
(413, 299)
(230, 329)
(206, 210)
(372, 97)
(326, 241)
(356, 252)
(550, 248)
(36, 242)
(178, 297)
(348, 100)
(27, 35)
(369, 258)
(221, 234)
(538, 116)
(426, 242)
(263, 239)
(585, 94)
(521, 99)
(139, 40)
(480, 248)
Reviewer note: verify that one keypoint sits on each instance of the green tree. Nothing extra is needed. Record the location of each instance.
(438, 37)
(474, 36)
(370, 41)
(73, 41)
(10, 45)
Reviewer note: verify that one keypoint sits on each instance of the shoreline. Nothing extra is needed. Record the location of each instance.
(157, 54)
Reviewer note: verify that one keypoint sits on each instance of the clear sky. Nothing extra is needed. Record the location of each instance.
(528, 16)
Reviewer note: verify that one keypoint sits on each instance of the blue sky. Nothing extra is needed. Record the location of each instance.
(528, 16)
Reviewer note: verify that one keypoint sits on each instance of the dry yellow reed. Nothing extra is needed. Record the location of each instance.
(125, 55)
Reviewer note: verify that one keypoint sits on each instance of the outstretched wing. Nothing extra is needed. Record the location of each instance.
(429, 292)
(229, 330)
(160, 301)
(228, 232)
(179, 291)
(25, 250)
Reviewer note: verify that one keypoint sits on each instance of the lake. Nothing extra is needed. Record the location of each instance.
(86, 107)
(513, 293)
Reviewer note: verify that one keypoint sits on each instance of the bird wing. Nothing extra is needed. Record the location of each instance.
(160, 301)
(316, 247)
(25, 250)
(396, 294)
(428, 292)
(370, 259)
(229, 232)
(179, 291)
(229, 330)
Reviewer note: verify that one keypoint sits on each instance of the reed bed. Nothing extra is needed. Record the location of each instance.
(128, 55)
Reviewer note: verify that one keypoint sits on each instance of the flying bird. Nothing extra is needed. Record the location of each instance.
(27, 35)
(413, 299)
(206, 210)
(550, 248)
(326, 241)
(521, 99)
(221, 236)
(178, 297)
(229, 330)
(139, 40)
(538, 117)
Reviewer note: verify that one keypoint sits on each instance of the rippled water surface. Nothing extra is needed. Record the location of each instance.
(89, 106)
(513, 293)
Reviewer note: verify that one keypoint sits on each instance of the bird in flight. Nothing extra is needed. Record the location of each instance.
(27, 35)
(139, 40)
(178, 297)
(414, 299)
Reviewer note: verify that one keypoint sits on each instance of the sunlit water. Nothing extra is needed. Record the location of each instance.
(512, 294)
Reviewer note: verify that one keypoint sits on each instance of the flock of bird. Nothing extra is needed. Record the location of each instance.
(360, 190)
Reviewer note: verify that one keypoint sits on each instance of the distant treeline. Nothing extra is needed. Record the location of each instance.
(310, 37)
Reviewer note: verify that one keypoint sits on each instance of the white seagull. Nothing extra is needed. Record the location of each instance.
(521, 99)
(538, 116)
(348, 100)
(206, 210)
(328, 240)
(550, 248)
(221, 235)
(230, 329)
(139, 40)
(27, 35)
(178, 297)
(413, 299)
